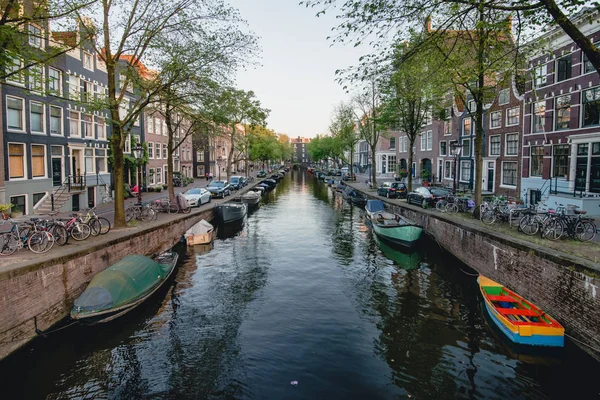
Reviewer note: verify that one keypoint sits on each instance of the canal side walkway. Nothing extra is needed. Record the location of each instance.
(23, 258)
(589, 251)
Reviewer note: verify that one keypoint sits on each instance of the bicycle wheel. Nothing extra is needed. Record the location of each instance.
(186, 210)
(585, 230)
(61, 236)
(104, 225)
(488, 216)
(173, 208)
(528, 224)
(8, 243)
(452, 208)
(81, 231)
(147, 214)
(553, 230)
(95, 227)
(40, 242)
(129, 214)
(441, 205)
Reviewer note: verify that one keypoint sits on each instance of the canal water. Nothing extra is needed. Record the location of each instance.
(302, 302)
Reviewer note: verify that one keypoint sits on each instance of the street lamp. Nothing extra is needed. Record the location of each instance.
(138, 153)
(455, 149)
(219, 159)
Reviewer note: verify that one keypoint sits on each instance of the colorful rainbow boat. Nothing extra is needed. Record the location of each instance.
(521, 321)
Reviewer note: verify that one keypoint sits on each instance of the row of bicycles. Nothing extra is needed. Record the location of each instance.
(552, 224)
(39, 235)
(149, 211)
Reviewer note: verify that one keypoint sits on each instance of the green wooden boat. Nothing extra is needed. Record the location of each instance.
(122, 287)
(396, 229)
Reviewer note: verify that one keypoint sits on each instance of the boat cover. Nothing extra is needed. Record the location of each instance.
(127, 280)
(200, 228)
(374, 206)
(251, 195)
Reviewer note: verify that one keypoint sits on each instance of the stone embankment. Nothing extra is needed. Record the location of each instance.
(564, 285)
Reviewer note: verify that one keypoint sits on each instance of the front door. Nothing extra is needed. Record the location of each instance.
(56, 172)
(91, 194)
(75, 202)
(490, 176)
(440, 170)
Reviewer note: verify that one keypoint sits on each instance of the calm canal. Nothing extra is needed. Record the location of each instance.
(302, 293)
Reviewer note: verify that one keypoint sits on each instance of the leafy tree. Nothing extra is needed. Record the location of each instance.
(262, 144)
(134, 31)
(343, 128)
(232, 108)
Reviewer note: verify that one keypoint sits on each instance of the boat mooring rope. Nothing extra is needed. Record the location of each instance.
(583, 343)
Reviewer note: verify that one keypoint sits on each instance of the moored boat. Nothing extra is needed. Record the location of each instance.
(122, 287)
(231, 212)
(396, 229)
(251, 198)
(521, 321)
(359, 200)
(373, 207)
(200, 233)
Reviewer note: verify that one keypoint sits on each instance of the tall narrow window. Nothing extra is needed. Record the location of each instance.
(560, 159)
(101, 160)
(101, 124)
(448, 127)
(509, 173)
(73, 88)
(87, 90)
(466, 147)
(165, 148)
(539, 116)
(55, 120)
(467, 127)
(587, 65)
(36, 78)
(494, 145)
(539, 75)
(563, 112)
(392, 143)
(465, 171)
(38, 161)
(503, 97)
(537, 160)
(14, 71)
(512, 116)
(88, 61)
(158, 151)
(88, 126)
(35, 36)
(563, 67)
(14, 113)
(512, 144)
(89, 161)
(16, 160)
(496, 119)
(74, 124)
(36, 117)
(443, 150)
(150, 150)
(54, 81)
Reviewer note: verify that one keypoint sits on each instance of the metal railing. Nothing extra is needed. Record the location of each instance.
(72, 182)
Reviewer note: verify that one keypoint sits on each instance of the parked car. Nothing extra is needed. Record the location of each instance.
(261, 174)
(426, 197)
(392, 190)
(244, 180)
(195, 197)
(219, 189)
(236, 182)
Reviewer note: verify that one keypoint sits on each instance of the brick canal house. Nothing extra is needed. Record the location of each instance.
(561, 131)
(385, 156)
(300, 153)
(55, 143)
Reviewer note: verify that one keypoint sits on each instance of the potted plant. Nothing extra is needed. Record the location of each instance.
(5, 210)
(425, 177)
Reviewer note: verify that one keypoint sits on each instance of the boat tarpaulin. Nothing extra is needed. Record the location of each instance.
(127, 280)
(200, 228)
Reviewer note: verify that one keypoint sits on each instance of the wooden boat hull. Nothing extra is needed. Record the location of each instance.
(522, 322)
(231, 212)
(405, 235)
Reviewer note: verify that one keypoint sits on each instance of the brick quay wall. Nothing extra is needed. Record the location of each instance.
(41, 294)
(564, 286)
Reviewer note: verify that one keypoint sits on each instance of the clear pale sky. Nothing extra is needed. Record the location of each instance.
(296, 79)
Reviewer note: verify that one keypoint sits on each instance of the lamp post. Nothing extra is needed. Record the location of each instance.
(455, 148)
(219, 160)
(138, 153)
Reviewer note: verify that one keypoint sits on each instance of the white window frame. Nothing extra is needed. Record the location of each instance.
(445, 153)
(151, 177)
(158, 151)
(13, 129)
(59, 81)
(25, 171)
(36, 79)
(36, 39)
(88, 126)
(165, 149)
(78, 133)
(534, 115)
(150, 150)
(462, 149)
(462, 170)
(539, 75)
(423, 141)
(506, 145)
(502, 184)
(499, 114)
(447, 127)
(490, 154)
(470, 126)
(60, 121)
(74, 89)
(429, 140)
(43, 117)
(101, 128)
(103, 170)
(86, 158)
(127, 148)
(158, 175)
(508, 110)
(15, 63)
(503, 97)
(88, 56)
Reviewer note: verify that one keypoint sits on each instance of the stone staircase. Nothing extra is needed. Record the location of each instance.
(61, 195)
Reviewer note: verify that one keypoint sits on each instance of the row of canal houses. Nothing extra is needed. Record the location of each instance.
(541, 143)
(55, 147)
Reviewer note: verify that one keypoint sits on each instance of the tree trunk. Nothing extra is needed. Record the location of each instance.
(481, 46)
(170, 134)
(410, 162)
(119, 179)
(373, 166)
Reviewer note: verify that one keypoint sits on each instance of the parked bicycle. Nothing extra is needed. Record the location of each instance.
(140, 211)
(25, 234)
(534, 218)
(75, 228)
(573, 225)
(165, 205)
(98, 225)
